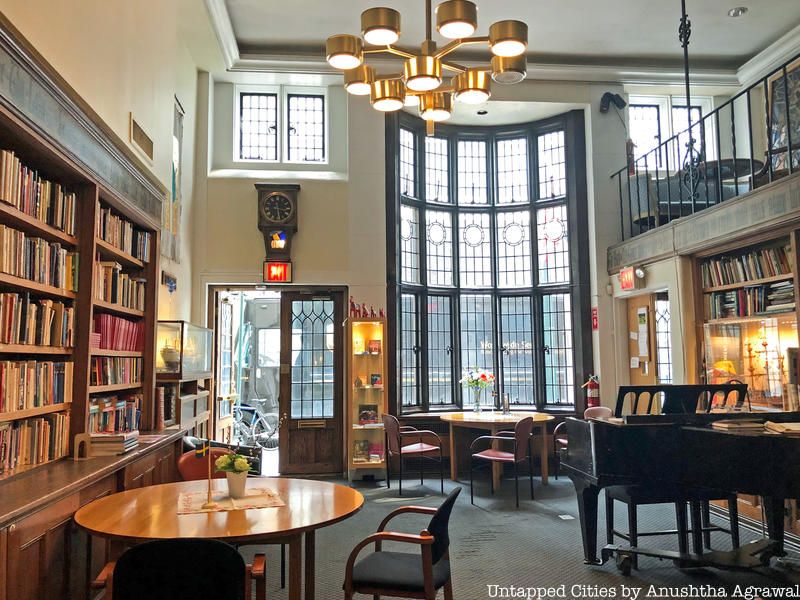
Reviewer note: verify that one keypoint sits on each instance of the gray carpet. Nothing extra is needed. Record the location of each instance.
(493, 543)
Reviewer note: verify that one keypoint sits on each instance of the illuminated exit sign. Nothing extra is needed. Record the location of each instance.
(628, 279)
(277, 272)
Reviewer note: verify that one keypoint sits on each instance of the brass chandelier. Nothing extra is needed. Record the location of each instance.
(421, 83)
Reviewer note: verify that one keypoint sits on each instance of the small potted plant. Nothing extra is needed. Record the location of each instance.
(236, 468)
(477, 380)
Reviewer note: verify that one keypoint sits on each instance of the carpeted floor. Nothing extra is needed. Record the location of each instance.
(495, 544)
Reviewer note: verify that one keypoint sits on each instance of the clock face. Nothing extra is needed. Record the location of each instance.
(277, 208)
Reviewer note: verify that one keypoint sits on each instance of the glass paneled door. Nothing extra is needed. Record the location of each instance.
(312, 341)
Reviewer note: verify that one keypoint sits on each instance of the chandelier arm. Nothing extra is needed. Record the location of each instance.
(389, 50)
(455, 67)
(456, 44)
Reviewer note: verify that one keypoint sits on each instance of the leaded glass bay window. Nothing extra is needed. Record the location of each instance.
(485, 275)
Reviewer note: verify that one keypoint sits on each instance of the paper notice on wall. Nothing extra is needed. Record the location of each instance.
(634, 335)
(634, 362)
(641, 319)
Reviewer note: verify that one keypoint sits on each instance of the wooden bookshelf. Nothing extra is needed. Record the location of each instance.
(15, 415)
(91, 195)
(749, 283)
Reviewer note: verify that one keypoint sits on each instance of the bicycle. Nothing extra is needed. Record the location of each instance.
(254, 426)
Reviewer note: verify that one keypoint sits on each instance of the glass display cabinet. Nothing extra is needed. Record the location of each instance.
(183, 351)
(759, 351)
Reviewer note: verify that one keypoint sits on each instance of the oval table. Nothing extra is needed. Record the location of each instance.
(151, 513)
(494, 421)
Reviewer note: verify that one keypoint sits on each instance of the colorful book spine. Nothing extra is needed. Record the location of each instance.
(37, 260)
(34, 441)
(117, 333)
(35, 322)
(755, 264)
(114, 370)
(114, 414)
(117, 287)
(31, 384)
(122, 234)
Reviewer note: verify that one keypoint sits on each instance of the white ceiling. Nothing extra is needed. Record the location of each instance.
(560, 31)
(504, 113)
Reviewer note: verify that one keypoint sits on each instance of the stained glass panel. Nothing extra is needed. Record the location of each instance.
(436, 170)
(516, 349)
(407, 163)
(439, 247)
(472, 181)
(514, 249)
(409, 244)
(440, 351)
(306, 128)
(552, 172)
(553, 246)
(258, 126)
(312, 359)
(474, 250)
(512, 171)
(559, 372)
(477, 335)
(409, 351)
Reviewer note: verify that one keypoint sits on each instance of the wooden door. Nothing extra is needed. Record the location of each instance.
(639, 350)
(311, 395)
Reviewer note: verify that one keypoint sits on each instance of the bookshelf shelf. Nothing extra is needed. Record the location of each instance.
(15, 415)
(102, 305)
(750, 283)
(42, 289)
(107, 250)
(32, 349)
(751, 318)
(19, 220)
(120, 353)
(114, 387)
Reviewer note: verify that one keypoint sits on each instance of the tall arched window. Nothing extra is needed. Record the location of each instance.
(488, 261)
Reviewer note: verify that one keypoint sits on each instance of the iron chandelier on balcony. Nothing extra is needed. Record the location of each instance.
(421, 81)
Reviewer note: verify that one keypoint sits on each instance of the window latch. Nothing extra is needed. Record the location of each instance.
(449, 350)
(546, 349)
(415, 348)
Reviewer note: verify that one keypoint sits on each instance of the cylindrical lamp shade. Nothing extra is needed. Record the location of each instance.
(437, 106)
(508, 38)
(472, 86)
(344, 51)
(411, 99)
(422, 73)
(388, 95)
(456, 19)
(358, 81)
(509, 69)
(380, 26)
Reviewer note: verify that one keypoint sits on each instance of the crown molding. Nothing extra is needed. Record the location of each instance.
(770, 58)
(223, 28)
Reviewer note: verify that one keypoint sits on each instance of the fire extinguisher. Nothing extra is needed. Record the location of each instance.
(592, 391)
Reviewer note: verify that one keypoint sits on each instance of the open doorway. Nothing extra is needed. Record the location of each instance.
(280, 363)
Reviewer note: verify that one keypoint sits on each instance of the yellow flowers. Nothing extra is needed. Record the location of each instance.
(233, 463)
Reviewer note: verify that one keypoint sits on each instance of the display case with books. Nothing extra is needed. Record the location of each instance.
(367, 398)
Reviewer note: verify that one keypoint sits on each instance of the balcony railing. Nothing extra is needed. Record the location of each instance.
(747, 142)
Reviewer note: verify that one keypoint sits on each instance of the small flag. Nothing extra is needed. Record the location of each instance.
(201, 451)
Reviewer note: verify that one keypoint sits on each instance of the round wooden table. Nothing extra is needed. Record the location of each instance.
(151, 513)
(494, 421)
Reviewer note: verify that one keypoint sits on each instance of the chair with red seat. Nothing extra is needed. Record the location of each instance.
(521, 438)
(394, 447)
(191, 468)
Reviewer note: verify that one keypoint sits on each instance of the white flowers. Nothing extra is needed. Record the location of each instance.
(477, 378)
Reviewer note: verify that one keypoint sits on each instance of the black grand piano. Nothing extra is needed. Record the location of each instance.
(683, 450)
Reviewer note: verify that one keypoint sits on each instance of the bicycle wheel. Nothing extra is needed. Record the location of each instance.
(265, 435)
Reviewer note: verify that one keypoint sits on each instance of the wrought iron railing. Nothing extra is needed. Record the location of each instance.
(749, 141)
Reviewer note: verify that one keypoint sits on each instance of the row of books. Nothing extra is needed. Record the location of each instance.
(111, 284)
(113, 370)
(111, 444)
(118, 413)
(37, 260)
(30, 384)
(365, 451)
(749, 301)
(34, 441)
(117, 333)
(756, 264)
(35, 322)
(121, 234)
(26, 190)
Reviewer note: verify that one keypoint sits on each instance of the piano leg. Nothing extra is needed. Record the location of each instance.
(773, 507)
(697, 527)
(587, 511)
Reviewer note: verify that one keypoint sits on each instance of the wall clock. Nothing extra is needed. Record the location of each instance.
(277, 218)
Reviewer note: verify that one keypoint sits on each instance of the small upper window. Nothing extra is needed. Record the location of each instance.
(258, 126)
(306, 130)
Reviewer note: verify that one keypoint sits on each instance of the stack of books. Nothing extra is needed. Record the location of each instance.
(117, 333)
(37, 260)
(122, 234)
(783, 428)
(24, 189)
(736, 425)
(113, 285)
(751, 300)
(111, 444)
(780, 297)
(39, 322)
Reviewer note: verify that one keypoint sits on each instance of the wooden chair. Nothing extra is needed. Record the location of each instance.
(560, 441)
(183, 569)
(521, 438)
(394, 447)
(405, 574)
(675, 399)
(192, 468)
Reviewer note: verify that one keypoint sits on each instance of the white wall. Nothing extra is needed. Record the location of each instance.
(122, 58)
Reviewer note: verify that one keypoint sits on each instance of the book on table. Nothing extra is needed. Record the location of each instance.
(783, 428)
(733, 425)
(110, 444)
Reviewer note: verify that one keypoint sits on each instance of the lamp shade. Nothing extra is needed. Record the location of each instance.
(387, 94)
(380, 26)
(456, 19)
(422, 73)
(436, 106)
(358, 81)
(472, 86)
(344, 51)
(411, 99)
(509, 69)
(508, 38)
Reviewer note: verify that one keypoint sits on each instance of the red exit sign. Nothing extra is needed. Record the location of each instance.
(628, 279)
(277, 272)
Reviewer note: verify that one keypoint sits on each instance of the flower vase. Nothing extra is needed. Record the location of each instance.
(476, 399)
(236, 484)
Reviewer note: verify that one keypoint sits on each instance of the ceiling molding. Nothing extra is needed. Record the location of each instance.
(769, 59)
(223, 28)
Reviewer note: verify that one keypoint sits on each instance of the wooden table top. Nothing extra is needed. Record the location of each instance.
(152, 512)
(488, 417)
